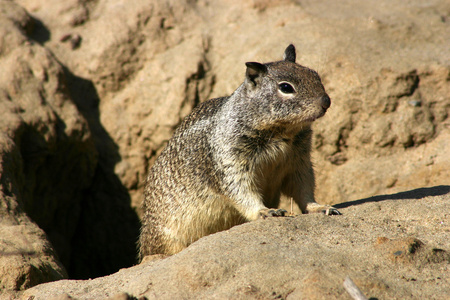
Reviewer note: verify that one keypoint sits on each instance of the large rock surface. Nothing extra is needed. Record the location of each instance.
(392, 246)
(58, 191)
(90, 92)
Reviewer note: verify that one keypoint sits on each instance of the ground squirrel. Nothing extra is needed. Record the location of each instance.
(232, 157)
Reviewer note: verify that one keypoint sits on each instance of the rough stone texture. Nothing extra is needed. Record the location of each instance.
(392, 246)
(33, 138)
(90, 91)
(53, 178)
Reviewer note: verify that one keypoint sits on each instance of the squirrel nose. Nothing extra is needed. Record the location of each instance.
(325, 102)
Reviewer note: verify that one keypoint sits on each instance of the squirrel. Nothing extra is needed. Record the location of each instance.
(232, 157)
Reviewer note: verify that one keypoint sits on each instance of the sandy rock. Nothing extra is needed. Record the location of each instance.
(305, 257)
(48, 164)
(26, 257)
(29, 128)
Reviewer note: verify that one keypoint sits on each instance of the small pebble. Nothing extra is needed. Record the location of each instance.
(415, 103)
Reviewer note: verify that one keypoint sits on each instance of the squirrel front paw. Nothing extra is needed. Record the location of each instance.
(270, 212)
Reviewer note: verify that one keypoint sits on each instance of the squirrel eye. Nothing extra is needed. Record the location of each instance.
(286, 88)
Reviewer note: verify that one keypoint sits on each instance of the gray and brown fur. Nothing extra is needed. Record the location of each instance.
(232, 157)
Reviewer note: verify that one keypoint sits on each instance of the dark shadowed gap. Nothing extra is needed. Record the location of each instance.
(108, 230)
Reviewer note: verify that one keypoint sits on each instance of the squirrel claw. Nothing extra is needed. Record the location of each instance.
(314, 207)
(266, 213)
(331, 211)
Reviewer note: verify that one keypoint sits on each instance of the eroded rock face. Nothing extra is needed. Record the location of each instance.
(26, 257)
(90, 91)
(49, 163)
(33, 142)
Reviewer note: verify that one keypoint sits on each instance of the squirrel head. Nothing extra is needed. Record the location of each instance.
(284, 93)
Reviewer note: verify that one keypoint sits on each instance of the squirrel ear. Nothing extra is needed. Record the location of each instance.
(255, 71)
(289, 53)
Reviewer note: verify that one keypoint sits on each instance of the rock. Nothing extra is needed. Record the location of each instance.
(26, 257)
(410, 250)
(303, 257)
(50, 166)
(29, 129)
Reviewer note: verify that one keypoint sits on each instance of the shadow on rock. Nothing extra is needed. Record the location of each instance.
(108, 229)
(69, 186)
(413, 194)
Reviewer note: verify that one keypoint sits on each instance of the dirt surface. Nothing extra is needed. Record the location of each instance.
(90, 92)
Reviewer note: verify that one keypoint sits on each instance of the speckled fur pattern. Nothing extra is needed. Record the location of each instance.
(232, 157)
